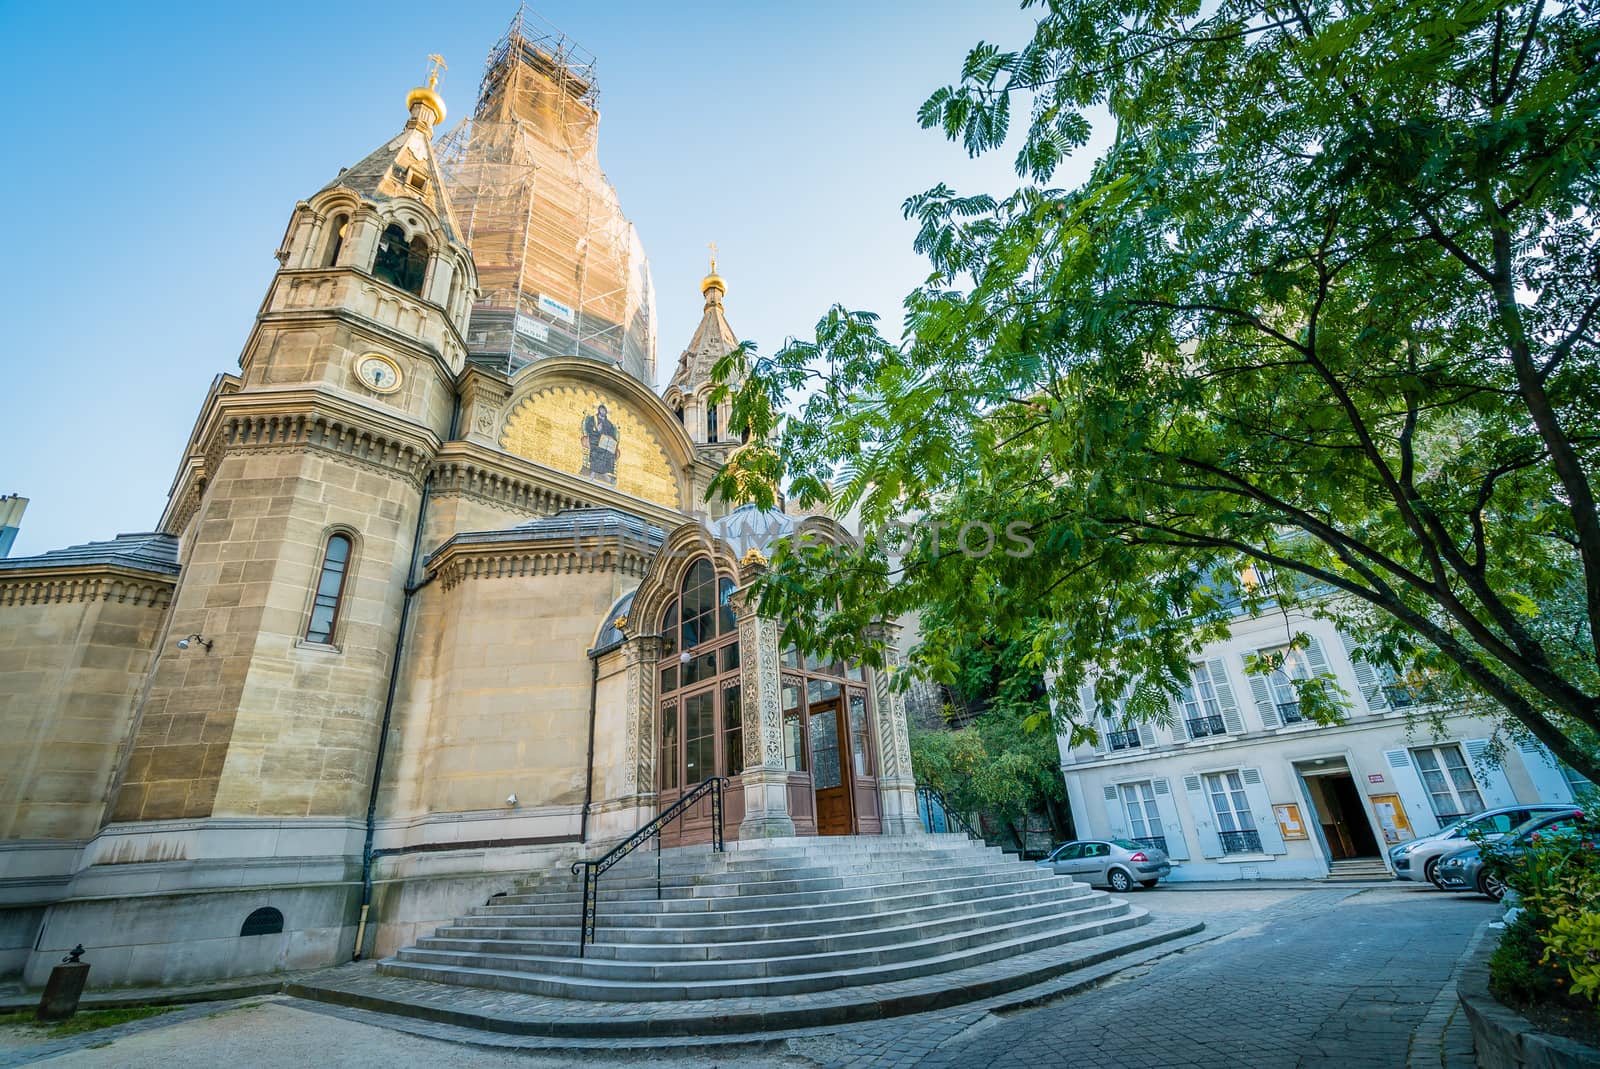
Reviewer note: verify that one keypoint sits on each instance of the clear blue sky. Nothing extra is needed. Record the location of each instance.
(158, 149)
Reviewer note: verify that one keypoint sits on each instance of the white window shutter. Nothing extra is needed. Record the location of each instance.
(1549, 782)
(1205, 822)
(1231, 719)
(1117, 818)
(1171, 825)
(1408, 785)
(1255, 792)
(1263, 696)
(1491, 778)
(1147, 735)
(1366, 677)
(1314, 654)
(1090, 716)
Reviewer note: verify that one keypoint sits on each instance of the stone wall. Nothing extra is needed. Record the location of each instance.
(264, 723)
(73, 657)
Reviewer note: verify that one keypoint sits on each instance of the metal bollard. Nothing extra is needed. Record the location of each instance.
(64, 989)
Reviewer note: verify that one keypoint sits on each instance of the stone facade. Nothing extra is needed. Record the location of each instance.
(400, 637)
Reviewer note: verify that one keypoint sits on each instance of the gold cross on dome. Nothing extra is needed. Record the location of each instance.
(433, 72)
(712, 245)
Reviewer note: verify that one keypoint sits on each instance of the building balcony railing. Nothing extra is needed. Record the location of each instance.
(1152, 842)
(1240, 842)
(1201, 726)
(1289, 712)
(1123, 740)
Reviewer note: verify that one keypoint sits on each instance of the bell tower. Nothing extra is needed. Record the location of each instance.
(689, 393)
(296, 506)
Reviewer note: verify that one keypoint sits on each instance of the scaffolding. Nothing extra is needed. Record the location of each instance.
(561, 269)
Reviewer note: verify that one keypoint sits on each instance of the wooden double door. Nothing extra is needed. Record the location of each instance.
(838, 740)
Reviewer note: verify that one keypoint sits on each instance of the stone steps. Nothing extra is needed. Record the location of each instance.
(808, 945)
(522, 930)
(493, 973)
(766, 920)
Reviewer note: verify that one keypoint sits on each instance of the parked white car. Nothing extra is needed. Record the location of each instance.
(1419, 859)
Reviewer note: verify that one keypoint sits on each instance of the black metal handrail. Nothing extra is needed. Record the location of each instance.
(1289, 712)
(1152, 842)
(932, 794)
(713, 786)
(1210, 724)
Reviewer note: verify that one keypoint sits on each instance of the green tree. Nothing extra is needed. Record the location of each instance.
(998, 762)
(1326, 308)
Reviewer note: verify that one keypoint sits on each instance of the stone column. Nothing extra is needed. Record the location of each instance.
(897, 787)
(639, 657)
(361, 240)
(765, 779)
(436, 287)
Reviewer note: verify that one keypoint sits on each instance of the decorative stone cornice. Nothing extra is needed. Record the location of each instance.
(62, 586)
(549, 547)
(525, 487)
(290, 421)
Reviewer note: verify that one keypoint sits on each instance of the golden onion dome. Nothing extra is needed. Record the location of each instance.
(424, 94)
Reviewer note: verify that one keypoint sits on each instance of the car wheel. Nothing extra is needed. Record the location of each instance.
(1492, 886)
(1430, 872)
(1147, 884)
(1120, 881)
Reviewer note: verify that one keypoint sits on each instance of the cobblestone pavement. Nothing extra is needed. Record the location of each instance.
(1330, 976)
(1324, 978)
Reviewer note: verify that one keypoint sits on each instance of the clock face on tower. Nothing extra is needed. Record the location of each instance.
(378, 373)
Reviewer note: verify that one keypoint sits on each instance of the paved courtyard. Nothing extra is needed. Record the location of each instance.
(1325, 976)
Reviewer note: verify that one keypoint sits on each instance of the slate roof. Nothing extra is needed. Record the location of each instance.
(572, 525)
(381, 176)
(151, 551)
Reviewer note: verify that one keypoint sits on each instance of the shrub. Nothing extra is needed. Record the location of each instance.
(1551, 952)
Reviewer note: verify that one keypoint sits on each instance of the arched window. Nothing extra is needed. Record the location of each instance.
(702, 718)
(264, 921)
(711, 423)
(401, 261)
(330, 591)
(336, 231)
(677, 410)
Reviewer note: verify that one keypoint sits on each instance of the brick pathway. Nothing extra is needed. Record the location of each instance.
(1324, 979)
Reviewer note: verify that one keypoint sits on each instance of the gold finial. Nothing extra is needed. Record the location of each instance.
(428, 95)
(713, 280)
(754, 557)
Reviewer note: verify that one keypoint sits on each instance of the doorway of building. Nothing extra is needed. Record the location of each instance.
(829, 773)
(1341, 814)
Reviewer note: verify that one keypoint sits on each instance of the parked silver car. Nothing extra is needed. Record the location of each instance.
(1114, 863)
(1419, 859)
(1465, 870)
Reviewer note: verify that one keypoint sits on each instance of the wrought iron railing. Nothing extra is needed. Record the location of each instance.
(1123, 740)
(1240, 842)
(592, 869)
(1152, 842)
(1289, 712)
(927, 797)
(1201, 726)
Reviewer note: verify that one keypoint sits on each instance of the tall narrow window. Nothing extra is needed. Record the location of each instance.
(401, 261)
(336, 230)
(1235, 826)
(1452, 791)
(711, 423)
(330, 590)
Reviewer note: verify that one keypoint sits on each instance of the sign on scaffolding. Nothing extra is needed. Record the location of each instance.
(530, 327)
(550, 306)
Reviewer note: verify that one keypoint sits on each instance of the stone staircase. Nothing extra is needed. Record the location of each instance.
(773, 918)
(1360, 868)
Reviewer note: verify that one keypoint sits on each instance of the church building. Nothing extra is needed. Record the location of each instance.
(437, 598)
